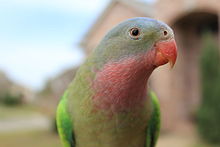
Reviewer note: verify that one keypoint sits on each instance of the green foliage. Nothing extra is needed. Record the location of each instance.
(209, 111)
(10, 99)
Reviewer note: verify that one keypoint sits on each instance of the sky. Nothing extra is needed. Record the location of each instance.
(40, 38)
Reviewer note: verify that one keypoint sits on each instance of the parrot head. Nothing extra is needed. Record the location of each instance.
(125, 59)
(140, 36)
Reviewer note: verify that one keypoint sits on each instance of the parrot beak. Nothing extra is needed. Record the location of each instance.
(166, 51)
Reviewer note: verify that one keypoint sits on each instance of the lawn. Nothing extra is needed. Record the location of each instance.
(39, 136)
(16, 111)
(50, 139)
(30, 139)
(182, 140)
(46, 138)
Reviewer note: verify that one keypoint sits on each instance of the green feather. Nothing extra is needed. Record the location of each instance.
(153, 130)
(64, 123)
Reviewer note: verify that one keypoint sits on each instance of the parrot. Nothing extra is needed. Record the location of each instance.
(108, 103)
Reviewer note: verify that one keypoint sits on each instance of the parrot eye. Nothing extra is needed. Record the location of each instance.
(165, 33)
(134, 33)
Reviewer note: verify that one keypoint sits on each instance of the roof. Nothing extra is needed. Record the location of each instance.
(142, 7)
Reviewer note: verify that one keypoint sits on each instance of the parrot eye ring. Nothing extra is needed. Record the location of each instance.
(134, 33)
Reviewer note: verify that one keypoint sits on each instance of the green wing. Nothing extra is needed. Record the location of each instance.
(153, 129)
(64, 123)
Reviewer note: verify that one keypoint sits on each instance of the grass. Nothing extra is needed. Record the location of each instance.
(182, 140)
(30, 139)
(49, 139)
(45, 138)
(20, 110)
(25, 138)
(202, 144)
(205, 145)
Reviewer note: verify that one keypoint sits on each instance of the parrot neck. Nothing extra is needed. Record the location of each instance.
(122, 85)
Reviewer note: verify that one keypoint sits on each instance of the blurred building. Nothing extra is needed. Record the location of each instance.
(177, 89)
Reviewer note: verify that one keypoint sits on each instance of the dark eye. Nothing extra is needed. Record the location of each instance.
(134, 33)
(165, 33)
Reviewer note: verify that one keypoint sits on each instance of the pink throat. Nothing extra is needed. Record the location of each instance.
(122, 85)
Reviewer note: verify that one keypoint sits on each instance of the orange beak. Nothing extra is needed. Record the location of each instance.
(166, 51)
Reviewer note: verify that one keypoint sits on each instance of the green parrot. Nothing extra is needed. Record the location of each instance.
(108, 104)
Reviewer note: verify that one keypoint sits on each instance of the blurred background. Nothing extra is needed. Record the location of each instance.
(43, 42)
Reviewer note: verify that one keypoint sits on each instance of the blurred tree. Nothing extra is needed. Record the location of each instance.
(10, 100)
(12, 93)
(209, 111)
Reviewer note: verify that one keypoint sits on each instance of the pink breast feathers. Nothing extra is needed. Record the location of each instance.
(121, 85)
